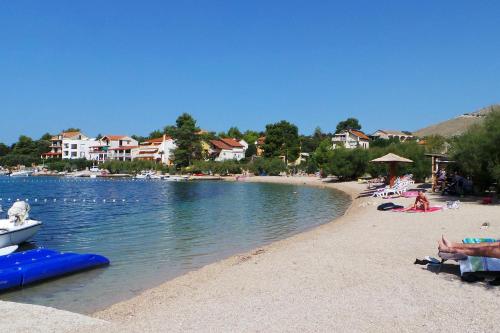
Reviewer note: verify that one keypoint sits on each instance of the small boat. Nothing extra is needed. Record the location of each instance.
(21, 173)
(17, 228)
(11, 234)
(176, 178)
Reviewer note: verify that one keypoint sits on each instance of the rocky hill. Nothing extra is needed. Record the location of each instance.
(457, 125)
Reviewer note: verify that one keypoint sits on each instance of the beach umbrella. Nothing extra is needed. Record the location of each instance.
(392, 160)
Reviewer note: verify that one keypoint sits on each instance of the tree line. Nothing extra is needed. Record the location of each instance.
(475, 152)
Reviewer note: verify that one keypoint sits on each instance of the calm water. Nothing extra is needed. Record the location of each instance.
(153, 231)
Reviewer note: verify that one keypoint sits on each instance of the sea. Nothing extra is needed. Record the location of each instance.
(154, 230)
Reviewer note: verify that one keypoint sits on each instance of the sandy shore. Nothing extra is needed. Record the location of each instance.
(354, 274)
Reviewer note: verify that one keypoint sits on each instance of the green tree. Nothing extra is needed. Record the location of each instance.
(24, 146)
(323, 155)
(4, 149)
(187, 141)
(282, 139)
(477, 154)
(352, 123)
(250, 136)
(71, 129)
(234, 132)
(155, 134)
(251, 150)
(348, 163)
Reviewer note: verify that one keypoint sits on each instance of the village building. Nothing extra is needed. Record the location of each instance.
(159, 150)
(69, 145)
(390, 134)
(227, 149)
(113, 147)
(351, 139)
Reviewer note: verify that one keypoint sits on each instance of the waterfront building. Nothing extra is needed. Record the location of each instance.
(350, 139)
(159, 150)
(227, 149)
(113, 147)
(70, 145)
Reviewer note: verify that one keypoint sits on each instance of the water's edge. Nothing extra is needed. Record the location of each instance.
(279, 180)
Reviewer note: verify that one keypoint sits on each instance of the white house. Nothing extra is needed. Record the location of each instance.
(70, 145)
(389, 134)
(158, 150)
(228, 149)
(351, 139)
(113, 147)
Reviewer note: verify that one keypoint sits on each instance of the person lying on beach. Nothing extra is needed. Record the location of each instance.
(476, 250)
(421, 202)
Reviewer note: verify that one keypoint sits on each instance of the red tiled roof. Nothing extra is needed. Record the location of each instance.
(359, 134)
(220, 144)
(232, 143)
(114, 137)
(51, 154)
(157, 140)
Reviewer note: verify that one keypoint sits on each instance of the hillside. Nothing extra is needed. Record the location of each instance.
(457, 125)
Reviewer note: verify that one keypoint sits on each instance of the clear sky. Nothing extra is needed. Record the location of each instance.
(128, 67)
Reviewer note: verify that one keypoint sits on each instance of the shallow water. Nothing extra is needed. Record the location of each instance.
(153, 231)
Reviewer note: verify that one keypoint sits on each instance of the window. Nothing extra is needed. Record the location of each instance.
(73, 154)
(74, 146)
(66, 145)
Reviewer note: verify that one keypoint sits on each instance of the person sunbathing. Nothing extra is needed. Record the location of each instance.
(476, 250)
(421, 202)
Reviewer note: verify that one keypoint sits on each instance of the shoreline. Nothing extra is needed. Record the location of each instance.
(353, 273)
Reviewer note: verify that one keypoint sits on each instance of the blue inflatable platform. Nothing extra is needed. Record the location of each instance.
(22, 268)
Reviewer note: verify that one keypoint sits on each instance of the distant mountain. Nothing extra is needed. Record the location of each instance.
(457, 125)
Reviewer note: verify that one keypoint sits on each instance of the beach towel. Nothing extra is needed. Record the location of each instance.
(410, 194)
(418, 210)
(479, 264)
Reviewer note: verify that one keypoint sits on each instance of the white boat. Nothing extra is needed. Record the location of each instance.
(11, 234)
(147, 175)
(176, 178)
(17, 228)
(22, 173)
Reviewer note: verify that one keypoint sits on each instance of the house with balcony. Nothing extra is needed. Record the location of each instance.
(391, 134)
(159, 150)
(69, 145)
(113, 147)
(351, 139)
(227, 149)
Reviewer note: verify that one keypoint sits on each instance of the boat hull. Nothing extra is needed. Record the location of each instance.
(18, 236)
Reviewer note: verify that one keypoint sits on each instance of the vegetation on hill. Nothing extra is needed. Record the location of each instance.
(476, 152)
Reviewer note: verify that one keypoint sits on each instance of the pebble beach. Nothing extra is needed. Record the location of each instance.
(356, 274)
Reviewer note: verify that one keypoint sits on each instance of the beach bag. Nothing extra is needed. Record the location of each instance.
(388, 206)
(453, 204)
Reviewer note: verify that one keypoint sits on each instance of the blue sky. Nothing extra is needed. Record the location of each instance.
(128, 67)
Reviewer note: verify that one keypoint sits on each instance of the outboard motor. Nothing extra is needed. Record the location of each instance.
(19, 212)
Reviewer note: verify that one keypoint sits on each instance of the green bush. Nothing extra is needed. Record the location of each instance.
(268, 166)
(12, 160)
(477, 154)
(348, 164)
